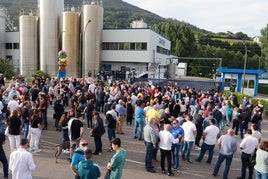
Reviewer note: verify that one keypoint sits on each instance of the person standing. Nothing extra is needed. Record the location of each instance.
(248, 146)
(117, 162)
(150, 140)
(87, 168)
(14, 124)
(78, 156)
(121, 110)
(166, 141)
(97, 131)
(261, 167)
(1, 116)
(58, 111)
(227, 146)
(199, 126)
(75, 132)
(210, 135)
(178, 133)
(111, 117)
(189, 137)
(42, 106)
(139, 119)
(3, 157)
(36, 130)
(21, 162)
(26, 117)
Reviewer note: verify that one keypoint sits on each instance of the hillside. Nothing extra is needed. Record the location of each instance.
(117, 13)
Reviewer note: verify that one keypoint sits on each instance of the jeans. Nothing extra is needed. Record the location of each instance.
(259, 125)
(204, 148)
(98, 144)
(260, 175)
(4, 161)
(148, 155)
(111, 133)
(138, 124)
(164, 154)
(187, 147)
(175, 155)
(25, 129)
(1, 123)
(14, 141)
(228, 119)
(242, 128)
(245, 159)
(35, 137)
(65, 136)
(228, 160)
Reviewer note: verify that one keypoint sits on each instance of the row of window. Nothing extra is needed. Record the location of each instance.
(12, 46)
(162, 50)
(124, 46)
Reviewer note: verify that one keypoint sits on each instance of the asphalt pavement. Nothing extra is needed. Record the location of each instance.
(46, 168)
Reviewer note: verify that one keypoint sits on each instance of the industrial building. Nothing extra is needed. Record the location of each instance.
(79, 31)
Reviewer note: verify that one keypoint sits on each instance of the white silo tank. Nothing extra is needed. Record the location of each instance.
(2, 32)
(92, 33)
(49, 35)
(71, 42)
(28, 45)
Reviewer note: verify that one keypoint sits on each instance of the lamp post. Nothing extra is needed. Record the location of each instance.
(83, 49)
(245, 65)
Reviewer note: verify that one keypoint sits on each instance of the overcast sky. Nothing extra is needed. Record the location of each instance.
(247, 16)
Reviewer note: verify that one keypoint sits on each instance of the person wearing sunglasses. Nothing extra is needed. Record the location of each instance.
(78, 156)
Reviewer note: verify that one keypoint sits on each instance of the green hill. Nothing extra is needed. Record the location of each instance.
(117, 13)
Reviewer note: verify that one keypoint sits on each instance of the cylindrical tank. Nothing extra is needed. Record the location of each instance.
(28, 45)
(49, 35)
(171, 70)
(71, 42)
(2, 32)
(92, 33)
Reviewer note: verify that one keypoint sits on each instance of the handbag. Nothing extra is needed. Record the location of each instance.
(107, 174)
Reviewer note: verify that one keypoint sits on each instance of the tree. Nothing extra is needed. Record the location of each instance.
(6, 68)
(181, 37)
(264, 44)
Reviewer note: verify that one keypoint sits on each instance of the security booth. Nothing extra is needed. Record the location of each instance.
(240, 80)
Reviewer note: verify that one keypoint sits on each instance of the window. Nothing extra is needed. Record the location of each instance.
(8, 45)
(124, 46)
(16, 46)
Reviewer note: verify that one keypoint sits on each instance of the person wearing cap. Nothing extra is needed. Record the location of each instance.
(21, 162)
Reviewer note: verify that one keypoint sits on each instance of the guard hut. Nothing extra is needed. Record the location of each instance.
(233, 79)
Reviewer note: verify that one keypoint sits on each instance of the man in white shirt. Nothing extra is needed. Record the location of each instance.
(21, 162)
(210, 135)
(248, 146)
(166, 141)
(189, 137)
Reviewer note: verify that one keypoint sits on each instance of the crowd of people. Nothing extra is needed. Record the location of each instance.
(168, 119)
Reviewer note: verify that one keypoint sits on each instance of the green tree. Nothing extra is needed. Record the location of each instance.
(6, 68)
(264, 44)
(181, 37)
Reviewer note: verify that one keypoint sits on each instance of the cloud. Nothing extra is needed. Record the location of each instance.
(246, 16)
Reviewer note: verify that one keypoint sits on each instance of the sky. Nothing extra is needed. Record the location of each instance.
(247, 16)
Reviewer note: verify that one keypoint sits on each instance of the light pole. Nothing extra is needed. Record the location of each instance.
(245, 65)
(83, 49)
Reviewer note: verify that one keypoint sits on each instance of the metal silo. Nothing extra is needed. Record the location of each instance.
(71, 42)
(49, 35)
(92, 33)
(28, 44)
(2, 32)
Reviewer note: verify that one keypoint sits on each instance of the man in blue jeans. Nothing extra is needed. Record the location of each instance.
(178, 133)
(139, 119)
(227, 146)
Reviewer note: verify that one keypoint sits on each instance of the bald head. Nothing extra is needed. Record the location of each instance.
(230, 132)
(167, 127)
